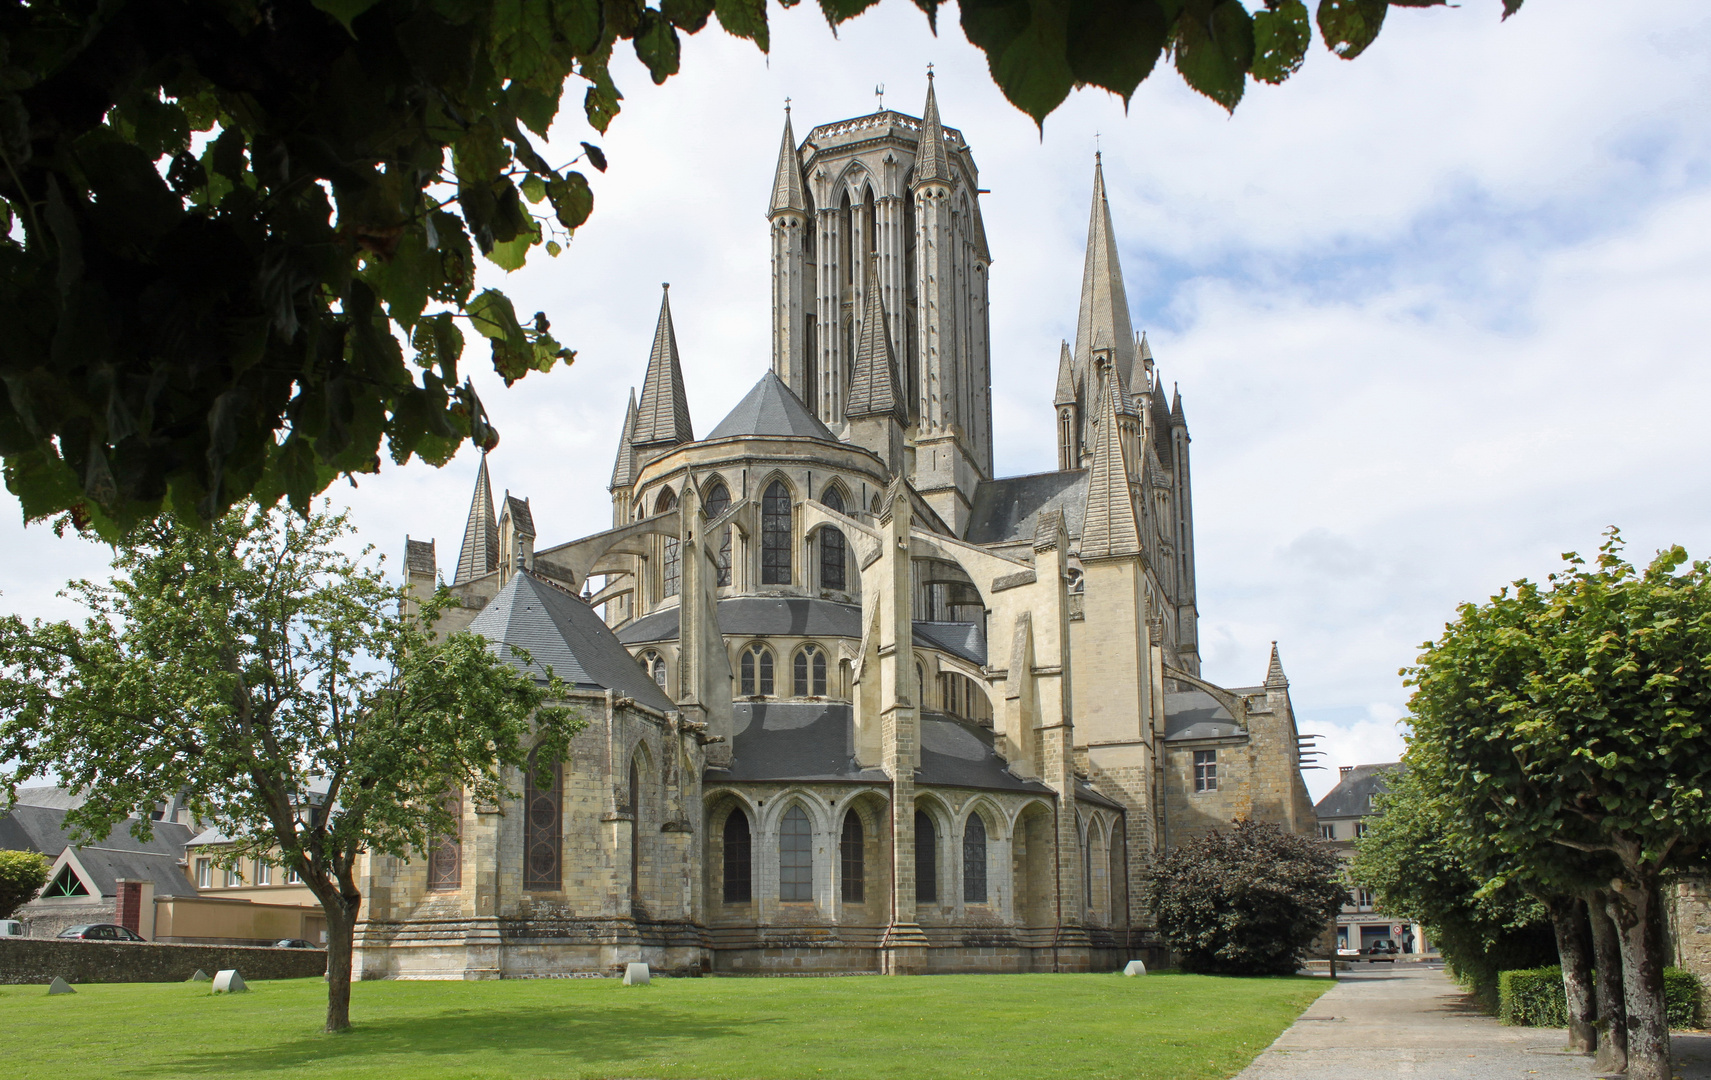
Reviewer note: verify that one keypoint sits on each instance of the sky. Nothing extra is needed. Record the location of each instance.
(1438, 314)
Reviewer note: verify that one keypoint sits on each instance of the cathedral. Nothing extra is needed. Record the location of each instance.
(854, 703)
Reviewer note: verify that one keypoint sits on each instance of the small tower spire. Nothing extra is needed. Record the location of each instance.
(1065, 379)
(875, 389)
(624, 468)
(1275, 679)
(787, 194)
(480, 553)
(1176, 417)
(662, 417)
(931, 161)
(1111, 528)
(1104, 318)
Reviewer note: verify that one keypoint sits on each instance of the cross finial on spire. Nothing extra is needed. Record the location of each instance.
(929, 71)
(787, 106)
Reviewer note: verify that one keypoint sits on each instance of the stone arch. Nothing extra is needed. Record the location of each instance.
(1033, 856)
(640, 797)
(719, 804)
(1094, 866)
(872, 809)
(1117, 872)
(941, 888)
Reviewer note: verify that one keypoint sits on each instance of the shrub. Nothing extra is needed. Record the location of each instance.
(1247, 900)
(1533, 997)
(22, 875)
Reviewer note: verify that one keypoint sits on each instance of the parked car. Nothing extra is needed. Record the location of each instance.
(1348, 954)
(11, 928)
(293, 943)
(1382, 951)
(101, 932)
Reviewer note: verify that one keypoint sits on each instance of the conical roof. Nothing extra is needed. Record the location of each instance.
(931, 161)
(624, 468)
(480, 552)
(662, 417)
(875, 388)
(1065, 379)
(559, 631)
(1104, 320)
(1110, 527)
(1274, 676)
(787, 191)
(772, 408)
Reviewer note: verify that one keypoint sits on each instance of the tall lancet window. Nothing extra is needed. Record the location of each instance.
(926, 859)
(718, 501)
(974, 860)
(795, 856)
(671, 572)
(543, 800)
(775, 535)
(445, 856)
(833, 550)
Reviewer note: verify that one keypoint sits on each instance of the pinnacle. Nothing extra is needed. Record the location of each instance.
(1110, 527)
(1274, 676)
(876, 389)
(624, 468)
(480, 553)
(931, 162)
(662, 417)
(787, 191)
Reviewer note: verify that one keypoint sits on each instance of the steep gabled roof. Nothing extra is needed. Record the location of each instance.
(1352, 797)
(1104, 320)
(772, 408)
(1110, 528)
(480, 553)
(662, 417)
(875, 388)
(522, 519)
(787, 191)
(561, 632)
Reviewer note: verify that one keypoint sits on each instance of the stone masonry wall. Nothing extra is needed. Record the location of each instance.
(1689, 909)
(25, 961)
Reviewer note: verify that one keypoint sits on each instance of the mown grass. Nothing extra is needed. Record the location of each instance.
(949, 1027)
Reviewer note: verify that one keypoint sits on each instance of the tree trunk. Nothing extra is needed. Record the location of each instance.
(341, 924)
(1574, 949)
(1612, 1011)
(1635, 909)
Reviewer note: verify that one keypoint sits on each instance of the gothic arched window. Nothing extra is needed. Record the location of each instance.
(738, 864)
(543, 819)
(635, 809)
(755, 672)
(851, 855)
(671, 573)
(808, 672)
(654, 664)
(974, 860)
(926, 859)
(775, 535)
(718, 501)
(833, 559)
(445, 857)
(795, 856)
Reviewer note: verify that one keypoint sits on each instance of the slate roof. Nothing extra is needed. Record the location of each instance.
(105, 865)
(780, 616)
(58, 797)
(778, 741)
(772, 408)
(1195, 714)
(522, 519)
(1007, 510)
(43, 829)
(1352, 797)
(419, 556)
(562, 632)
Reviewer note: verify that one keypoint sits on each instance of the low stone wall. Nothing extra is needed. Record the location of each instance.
(1689, 909)
(25, 961)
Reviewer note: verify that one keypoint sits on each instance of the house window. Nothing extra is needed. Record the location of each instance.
(832, 559)
(718, 501)
(67, 883)
(1328, 832)
(795, 857)
(263, 873)
(654, 664)
(974, 860)
(294, 877)
(755, 672)
(1205, 770)
(808, 672)
(926, 859)
(232, 878)
(204, 873)
(1360, 830)
(1363, 898)
(738, 888)
(851, 854)
(543, 800)
(445, 854)
(775, 535)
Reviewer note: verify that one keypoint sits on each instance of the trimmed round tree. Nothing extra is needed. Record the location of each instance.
(1247, 900)
(22, 875)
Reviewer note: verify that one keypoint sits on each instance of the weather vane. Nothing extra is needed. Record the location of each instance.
(879, 92)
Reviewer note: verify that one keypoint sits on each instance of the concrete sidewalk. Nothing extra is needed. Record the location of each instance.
(1411, 1020)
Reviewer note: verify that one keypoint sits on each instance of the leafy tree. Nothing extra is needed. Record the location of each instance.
(22, 875)
(1572, 717)
(1481, 926)
(225, 222)
(1248, 900)
(303, 703)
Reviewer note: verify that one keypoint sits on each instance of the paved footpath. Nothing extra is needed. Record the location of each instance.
(1410, 1020)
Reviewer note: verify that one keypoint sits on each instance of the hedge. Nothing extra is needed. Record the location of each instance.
(1534, 997)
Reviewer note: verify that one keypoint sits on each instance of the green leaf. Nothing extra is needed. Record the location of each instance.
(581, 23)
(1115, 43)
(345, 11)
(554, 248)
(1215, 48)
(744, 19)
(403, 280)
(572, 199)
(687, 15)
(510, 254)
(1025, 46)
(656, 46)
(1349, 26)
(494, 318)
(534, 188)
(838, 11)
(1281, 37)
(596, 156)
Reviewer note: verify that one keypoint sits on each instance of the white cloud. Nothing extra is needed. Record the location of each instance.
(1437, 314)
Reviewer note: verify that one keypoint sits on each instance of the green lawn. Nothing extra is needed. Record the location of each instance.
(1179, 1027)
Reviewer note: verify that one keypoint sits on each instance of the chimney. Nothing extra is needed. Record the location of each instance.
(1344, 770)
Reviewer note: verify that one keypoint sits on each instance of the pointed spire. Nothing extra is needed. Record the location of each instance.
(624, 468)
(931, 161)
(480, 554)
(875, 388)
(662, 418)
(1110, 528)
(1065, 378)
(787, 183)
(1176, 417)
(1104, 314)
(1275, 679)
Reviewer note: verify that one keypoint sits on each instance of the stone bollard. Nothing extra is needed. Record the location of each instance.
(229, 982)
(200, 976)
(59, 986)
(1133, 968)
(636, 975)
